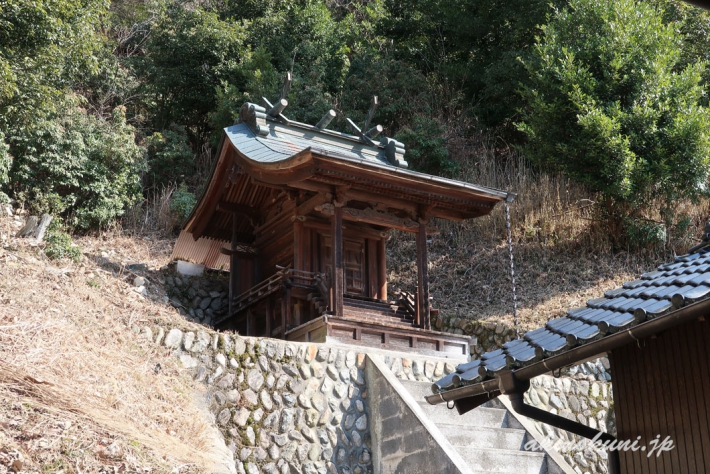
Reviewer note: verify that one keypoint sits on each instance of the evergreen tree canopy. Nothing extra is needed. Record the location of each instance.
(612, 104)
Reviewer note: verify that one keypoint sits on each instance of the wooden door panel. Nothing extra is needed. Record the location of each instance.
(353, 263)
(354, 260)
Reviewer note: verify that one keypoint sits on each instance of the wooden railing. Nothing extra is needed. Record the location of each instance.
(407, 301)
(284, 277)
(298, 277)
(258, 292)
(323, 288)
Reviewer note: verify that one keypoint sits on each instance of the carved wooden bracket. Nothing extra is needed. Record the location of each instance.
(234, 172)
(371, 216)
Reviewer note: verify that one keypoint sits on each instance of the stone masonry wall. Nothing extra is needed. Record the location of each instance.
(286, 407)
(201, 299)
(291, 407)
(282, 407)
(584, 394)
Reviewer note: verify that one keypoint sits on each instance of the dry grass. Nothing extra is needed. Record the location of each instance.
(80, 392)
(563, 255)
(153, 214)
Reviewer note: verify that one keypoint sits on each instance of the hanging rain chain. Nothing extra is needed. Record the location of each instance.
(512, 269)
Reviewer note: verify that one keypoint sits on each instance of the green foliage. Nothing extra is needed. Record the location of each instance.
(77, 166)
(190, 51)
(5, 163)
(427, 147)
(611, 106)
(183, 202)
(612, 94)
(469, 50)
(44, 46)
(58, 243)
(170, 159)
(403, 92)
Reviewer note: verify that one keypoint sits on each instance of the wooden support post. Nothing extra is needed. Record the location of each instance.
(382, 269)
(284, 303)
(289, 307)
(338, 271)
(233, 270)
(423, 274)
(417, 305)
(250, 323)
(307, 250)
(371, 265)
(298, 251)
(269, 316)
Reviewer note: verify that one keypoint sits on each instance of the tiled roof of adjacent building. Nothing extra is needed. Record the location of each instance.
(654, 295)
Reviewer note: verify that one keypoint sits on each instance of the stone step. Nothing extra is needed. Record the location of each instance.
(481, 416)
(503, 460)
(483, 436)
(421, 390)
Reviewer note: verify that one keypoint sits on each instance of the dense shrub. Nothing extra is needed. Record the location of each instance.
(170, 159)
(77, 166)
(613, 106)
(183, 202)
(58, 243)
(5, 162)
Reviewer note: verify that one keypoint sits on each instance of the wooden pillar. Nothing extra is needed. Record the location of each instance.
(269, 316)
(338, 268)
(289, 307)
(371, 266)
(250, 323)
(307, 250)
(284, 303)
(298, 251)
(381, 269)
(233, 270)
(423, 274)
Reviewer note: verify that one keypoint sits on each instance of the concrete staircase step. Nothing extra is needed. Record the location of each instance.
(503, 460)
(419, 390)
(488, 417)
(483, 436)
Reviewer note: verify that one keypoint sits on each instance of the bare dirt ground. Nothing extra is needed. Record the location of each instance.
(79, 391)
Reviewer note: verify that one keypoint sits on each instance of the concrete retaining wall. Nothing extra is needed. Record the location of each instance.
(404, 440)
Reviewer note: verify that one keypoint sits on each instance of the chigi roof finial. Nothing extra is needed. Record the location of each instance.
(256, 116)
(371, 133)
(274, 110)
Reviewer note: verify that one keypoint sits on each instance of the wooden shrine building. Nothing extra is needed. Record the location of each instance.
(303, 214)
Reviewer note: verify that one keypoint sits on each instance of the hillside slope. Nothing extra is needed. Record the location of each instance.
(79, 391)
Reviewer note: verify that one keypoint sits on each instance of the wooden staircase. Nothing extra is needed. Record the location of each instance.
(368, 310)
(375, 311)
